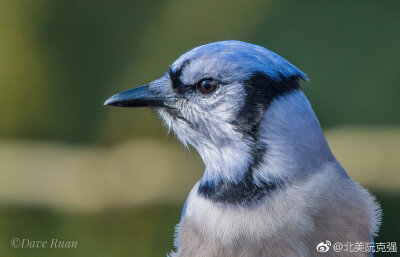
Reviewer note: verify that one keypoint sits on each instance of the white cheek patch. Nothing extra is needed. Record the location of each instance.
(224, 150)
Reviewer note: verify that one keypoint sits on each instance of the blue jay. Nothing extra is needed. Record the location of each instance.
(271, 186)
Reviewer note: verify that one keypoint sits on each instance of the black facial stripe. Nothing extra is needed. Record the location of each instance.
(175, 77)
(244, 192)
(260, 91)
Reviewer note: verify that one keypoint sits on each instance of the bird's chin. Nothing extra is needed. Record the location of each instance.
(172, 115)
(179, 125)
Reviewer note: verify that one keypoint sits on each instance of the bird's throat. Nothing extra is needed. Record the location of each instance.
(244, 189)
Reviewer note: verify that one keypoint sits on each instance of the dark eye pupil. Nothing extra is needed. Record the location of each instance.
(207, 86)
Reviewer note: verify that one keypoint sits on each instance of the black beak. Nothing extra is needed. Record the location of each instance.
(136, 97)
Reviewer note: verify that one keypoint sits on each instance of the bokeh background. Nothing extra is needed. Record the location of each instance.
(112, 179)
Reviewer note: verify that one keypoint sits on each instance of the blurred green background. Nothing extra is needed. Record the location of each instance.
(112, 179)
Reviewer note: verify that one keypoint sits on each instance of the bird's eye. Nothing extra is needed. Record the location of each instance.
(207, 86)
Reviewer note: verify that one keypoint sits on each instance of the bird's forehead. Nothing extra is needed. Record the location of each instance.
(233, 60)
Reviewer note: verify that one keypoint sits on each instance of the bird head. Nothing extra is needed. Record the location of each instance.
(215, 97)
